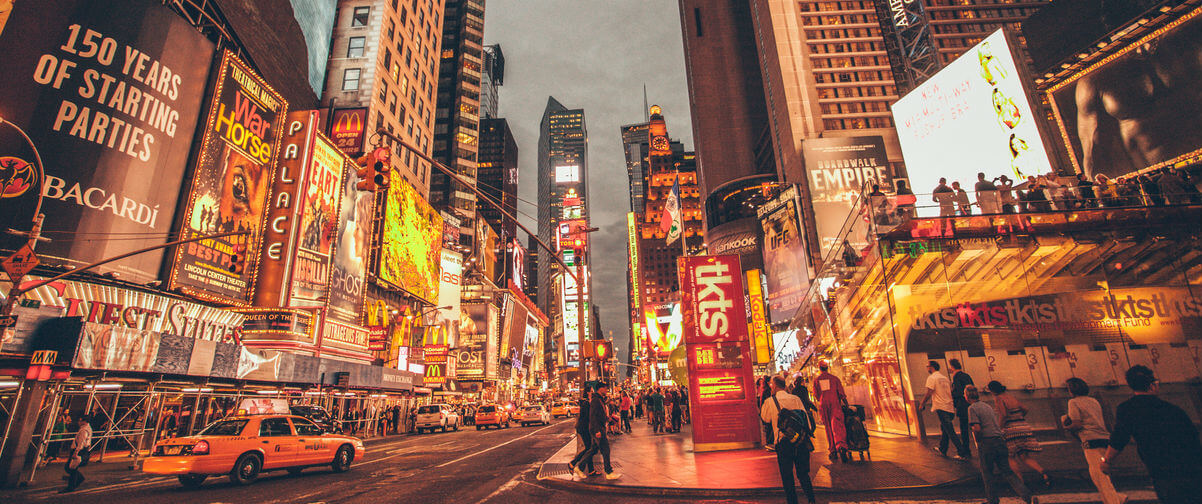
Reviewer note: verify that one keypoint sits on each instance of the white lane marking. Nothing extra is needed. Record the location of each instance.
(486, 450)
(1057, 498)
(125, 485)
(513, 482)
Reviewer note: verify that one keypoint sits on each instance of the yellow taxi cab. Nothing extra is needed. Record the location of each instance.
(245, 445)
(560, 409)
(573, 409)
(492, 415)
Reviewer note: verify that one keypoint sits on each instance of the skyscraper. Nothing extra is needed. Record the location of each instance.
(457, 128)
(498, 175)
(634, 145)
(385, 59)
(492, 78)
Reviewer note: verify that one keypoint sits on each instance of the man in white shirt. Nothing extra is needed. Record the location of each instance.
(788, 457)
(939, 394)
(80, 452)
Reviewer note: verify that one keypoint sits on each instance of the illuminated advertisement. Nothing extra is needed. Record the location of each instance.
(518, 264)
(567, 174)
(110, 93)
(283, 212)
(516, 314)
(785, 256)
(486, 241)
(349, 268)
(973, 116)
(230, 186)
(448, 318)
(761, 340)
(339, 339)
(632, 244)
(663, 326)
(347, 130)
(718, 352)
(1113, 128)
(318, 224)
(412, 249)
(476, 348)
(838, 169)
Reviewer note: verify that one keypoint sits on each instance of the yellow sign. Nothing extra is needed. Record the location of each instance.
(43, 358)
(761, 337)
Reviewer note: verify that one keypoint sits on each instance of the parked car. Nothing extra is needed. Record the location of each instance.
(436, 416)
(318, 415)
(244, 446)
(535, 414)
(492, 415)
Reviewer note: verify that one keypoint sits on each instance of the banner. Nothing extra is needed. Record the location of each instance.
(109, 93)
(838, 169)
(230, 186)
(412, 241)
(348, 129)
(512, 342)
(785, 258)
(349, 268)
(449, 294)
(318, 227)
(721, 387)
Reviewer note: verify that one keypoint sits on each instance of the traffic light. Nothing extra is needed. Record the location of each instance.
(603, 350)
(380, 170)
(238, 259)
(363, 170)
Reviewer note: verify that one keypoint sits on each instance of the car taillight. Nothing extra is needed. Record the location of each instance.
(200, 448)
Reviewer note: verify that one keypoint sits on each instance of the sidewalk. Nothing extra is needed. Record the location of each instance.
(665, 464)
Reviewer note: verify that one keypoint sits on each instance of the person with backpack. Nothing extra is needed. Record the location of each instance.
(792, 429)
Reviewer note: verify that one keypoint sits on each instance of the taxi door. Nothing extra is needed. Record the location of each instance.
(277, 442)
(311, 447)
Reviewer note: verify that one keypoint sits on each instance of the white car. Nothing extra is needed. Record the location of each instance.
(436, 416)
(535, 414)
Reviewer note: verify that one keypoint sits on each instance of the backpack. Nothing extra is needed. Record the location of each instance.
(795, 428)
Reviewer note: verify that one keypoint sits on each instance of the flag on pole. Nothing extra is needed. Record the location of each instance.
(670, 222)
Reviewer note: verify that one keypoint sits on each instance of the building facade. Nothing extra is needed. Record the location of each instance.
(490, 80)
(498, 175)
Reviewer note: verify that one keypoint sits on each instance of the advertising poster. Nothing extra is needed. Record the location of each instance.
(785, 257)
(838, 169)
(761, 339)
(110, 94)
(318, 225)
(348, 129)
(349, 269)
(1113, 128)
(412, 249)
(517, 264)
(448, 319)
(513, 340)
(475, 337)
(973, 116)
(336, 336)
(230, 186)
(721, 386)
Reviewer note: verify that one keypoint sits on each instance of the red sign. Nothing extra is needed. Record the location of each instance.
(20, 263)
(348, 128)
(718, 352)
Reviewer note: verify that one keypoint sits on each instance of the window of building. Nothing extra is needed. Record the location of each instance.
(383, 91)
(354, 49)
(387, 58)
(697, 20)
(350, 79)
(359, 18)
(389, 30)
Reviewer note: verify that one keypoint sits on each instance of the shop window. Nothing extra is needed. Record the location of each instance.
(360, 16)
(350, 79)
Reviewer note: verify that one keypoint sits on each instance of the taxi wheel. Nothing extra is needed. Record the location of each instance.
(246, 470)
(444, 428)
(456, 426)
(342, 459)
(191, 480)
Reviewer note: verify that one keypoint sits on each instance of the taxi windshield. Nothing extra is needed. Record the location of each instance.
(486, 409)
(224, 428)
(533, 408)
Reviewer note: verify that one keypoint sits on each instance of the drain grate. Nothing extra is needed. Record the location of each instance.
(551, 470)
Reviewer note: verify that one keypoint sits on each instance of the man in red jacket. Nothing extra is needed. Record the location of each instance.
(831, 398)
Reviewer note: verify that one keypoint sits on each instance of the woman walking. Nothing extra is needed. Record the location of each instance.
(1020, 438)
(1084, 419)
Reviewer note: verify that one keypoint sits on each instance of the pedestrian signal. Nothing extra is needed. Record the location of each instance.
(603, 350)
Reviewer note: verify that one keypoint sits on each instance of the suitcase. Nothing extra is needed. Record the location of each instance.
(857, 435)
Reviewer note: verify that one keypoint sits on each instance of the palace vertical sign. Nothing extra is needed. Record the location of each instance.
(719, 357)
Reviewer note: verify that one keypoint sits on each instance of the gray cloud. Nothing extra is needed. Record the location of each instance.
(595, 55)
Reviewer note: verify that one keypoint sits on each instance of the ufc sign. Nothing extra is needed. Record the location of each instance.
(712, 289)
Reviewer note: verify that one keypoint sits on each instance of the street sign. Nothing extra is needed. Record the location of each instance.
(20, 263)
(8, 321)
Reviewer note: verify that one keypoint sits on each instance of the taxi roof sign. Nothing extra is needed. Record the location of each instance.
(263, 406)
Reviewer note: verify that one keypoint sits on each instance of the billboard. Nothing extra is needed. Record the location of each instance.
(761, 337)
(568, 174)
(973, 116)
(838, 169)
(230, 185)
(110, 93)
(785, 257)
(476, 354)
(279, 237)
(348, 128)
(517, 264)
(516, 315)
(449, 294)
(349, 268)
(721, 387)
(318, 226)
(412, 248)
(1110, 126)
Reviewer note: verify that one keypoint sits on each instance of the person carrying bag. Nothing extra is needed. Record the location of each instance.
(792, 430)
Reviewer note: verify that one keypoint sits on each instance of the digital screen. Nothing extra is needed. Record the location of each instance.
(721, 386)
(568, 174)
(718, 356)
(973, 116)
(412, 249)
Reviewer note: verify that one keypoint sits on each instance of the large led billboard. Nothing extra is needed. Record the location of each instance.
(412, 249)
(973, 116)
(567, 174)
(447, 315)
(1112, 126)
(230, 185)
(110, 93)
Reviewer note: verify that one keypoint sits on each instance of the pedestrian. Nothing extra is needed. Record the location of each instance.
(939, 395)
(1173, 187)
(627, 407)
(1085, 191)
(598, 425)
(963, 204)
(764, 385)
(583, 459)
(987, 196)
(77, 458)
(677, 410)
(657, 411)
(802, 392)
(638, 406)
(1084, 419)
(831, 400)
(1005, 188)
(1020, 438)
(960, 381)
(991, 449)
(791, 458)
(905, 201)
(945, 196)
(1165, 437)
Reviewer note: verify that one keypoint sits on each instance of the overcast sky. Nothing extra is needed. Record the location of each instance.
(595, 55)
